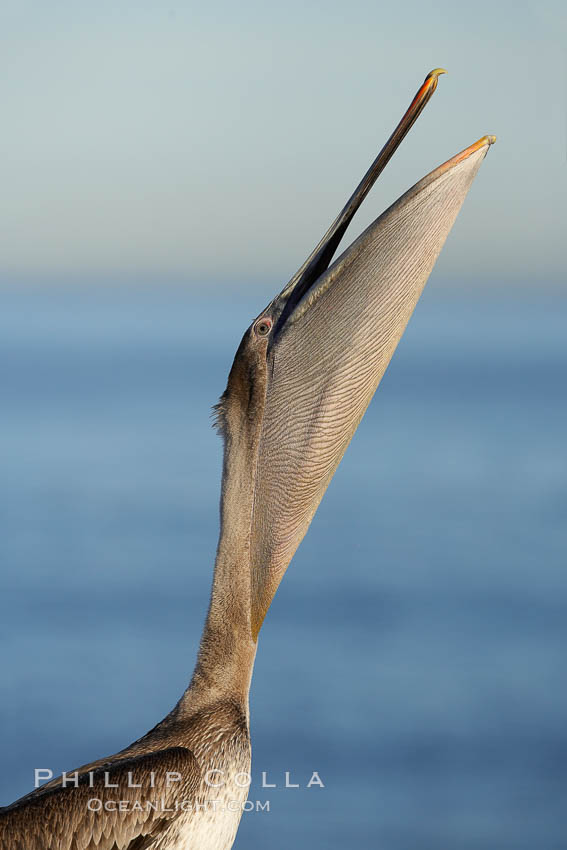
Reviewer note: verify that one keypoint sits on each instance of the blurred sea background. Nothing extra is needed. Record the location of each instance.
(414, 655)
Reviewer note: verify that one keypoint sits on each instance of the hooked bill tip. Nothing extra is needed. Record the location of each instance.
(483, 142)
(435, 73)
(430, 82)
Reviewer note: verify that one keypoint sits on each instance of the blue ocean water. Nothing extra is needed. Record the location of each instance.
(415, 653)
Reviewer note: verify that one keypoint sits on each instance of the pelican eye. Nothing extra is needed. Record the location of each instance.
(263, 326)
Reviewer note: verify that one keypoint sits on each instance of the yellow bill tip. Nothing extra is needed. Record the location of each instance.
(483, 142)
(435, 73)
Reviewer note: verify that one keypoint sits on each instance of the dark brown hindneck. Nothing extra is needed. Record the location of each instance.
(227, 650)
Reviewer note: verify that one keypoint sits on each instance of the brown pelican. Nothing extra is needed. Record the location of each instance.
(304, 373)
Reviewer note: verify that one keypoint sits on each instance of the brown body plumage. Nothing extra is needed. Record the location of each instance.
(161, 780)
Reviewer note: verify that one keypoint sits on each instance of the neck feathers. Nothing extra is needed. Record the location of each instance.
(228, 647)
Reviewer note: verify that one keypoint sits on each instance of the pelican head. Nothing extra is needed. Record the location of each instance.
(309, 364)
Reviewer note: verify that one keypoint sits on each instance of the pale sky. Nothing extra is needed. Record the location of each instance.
(214, 144)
